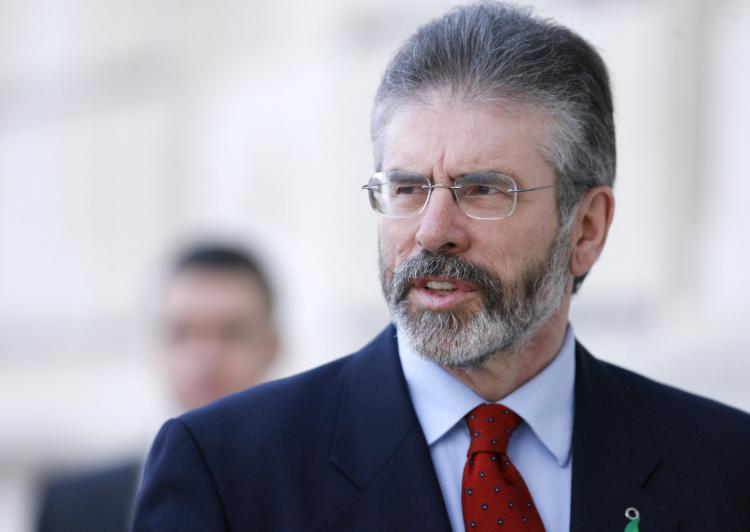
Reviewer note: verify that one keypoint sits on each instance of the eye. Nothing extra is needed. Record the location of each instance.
(401, 189)
(406, 184)
(480, 190)
(474, 190)
(484, 185)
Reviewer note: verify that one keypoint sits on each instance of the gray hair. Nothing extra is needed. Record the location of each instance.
(492, 52)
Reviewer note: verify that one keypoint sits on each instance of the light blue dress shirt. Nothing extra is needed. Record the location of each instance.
(540, 447)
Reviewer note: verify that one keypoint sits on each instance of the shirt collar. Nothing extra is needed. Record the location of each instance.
(545, 402)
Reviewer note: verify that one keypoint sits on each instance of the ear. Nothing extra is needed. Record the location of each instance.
(593, 218)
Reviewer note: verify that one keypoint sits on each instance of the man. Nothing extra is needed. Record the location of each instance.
(218, 337)
(495, 155)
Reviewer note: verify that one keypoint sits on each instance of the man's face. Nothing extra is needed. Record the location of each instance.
(461, 289)
(218, 337)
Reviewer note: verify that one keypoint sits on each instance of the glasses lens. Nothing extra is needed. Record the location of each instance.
(398, 194)
(487, 195)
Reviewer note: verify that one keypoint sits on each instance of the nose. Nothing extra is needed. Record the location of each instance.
(441, 225)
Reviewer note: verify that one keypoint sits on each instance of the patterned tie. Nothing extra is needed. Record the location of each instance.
(494, 495)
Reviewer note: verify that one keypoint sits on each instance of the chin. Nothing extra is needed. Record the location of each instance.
(459, 338)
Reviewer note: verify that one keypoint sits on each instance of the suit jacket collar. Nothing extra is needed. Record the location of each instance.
(614, 453)
(380, 447)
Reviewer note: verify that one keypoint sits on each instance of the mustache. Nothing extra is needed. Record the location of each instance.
(427, 264)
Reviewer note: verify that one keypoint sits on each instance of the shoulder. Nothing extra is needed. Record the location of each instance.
(281, 434)
(308, 400)
(298, 413)
(278, 434)
(682, 419)
(663, 399)
(272, 408)
(676, 453)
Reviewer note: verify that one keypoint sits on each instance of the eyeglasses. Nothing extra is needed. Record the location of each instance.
(482, 195)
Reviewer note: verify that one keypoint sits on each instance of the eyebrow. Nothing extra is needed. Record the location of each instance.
(508, 173)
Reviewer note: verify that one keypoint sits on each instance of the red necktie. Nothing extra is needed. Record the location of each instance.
(494, 496)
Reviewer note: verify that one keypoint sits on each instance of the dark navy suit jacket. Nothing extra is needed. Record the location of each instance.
(340, 448)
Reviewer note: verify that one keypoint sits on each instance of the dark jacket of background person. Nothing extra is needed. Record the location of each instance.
(99, 500)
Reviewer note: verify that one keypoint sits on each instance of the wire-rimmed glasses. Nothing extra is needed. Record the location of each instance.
(480, 195)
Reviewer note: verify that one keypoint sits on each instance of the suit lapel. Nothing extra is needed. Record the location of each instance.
(380, 447)
(613, 455)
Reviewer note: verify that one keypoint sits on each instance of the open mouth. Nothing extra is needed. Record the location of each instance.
(440, 286)
(441, 293)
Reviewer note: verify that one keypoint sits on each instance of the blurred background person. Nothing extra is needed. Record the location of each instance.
(216, 336)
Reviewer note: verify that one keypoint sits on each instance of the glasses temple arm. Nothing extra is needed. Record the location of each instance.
(530, 189)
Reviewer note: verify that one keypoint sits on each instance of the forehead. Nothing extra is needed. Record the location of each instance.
(440, 134)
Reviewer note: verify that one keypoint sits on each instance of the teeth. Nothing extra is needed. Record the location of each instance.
(440, 285)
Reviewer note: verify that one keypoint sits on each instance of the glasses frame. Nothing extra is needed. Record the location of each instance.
(371, 189)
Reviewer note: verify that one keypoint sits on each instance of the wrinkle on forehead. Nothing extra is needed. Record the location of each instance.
(472, 144)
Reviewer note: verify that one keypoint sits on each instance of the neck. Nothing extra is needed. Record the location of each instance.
(504, 372)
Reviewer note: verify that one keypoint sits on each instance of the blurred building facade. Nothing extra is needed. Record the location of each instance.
(128, 126)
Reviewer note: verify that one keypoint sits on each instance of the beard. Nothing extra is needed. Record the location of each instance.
(511, 310)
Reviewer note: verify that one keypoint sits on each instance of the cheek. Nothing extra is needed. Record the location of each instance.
(506, 250)
(396, 241)
(244, 364)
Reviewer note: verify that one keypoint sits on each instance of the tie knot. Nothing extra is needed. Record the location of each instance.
(490, 426)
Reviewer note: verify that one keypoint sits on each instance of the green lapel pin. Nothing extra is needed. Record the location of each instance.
(635, 518)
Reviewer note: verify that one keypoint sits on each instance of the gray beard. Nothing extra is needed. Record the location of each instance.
(512, 311)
